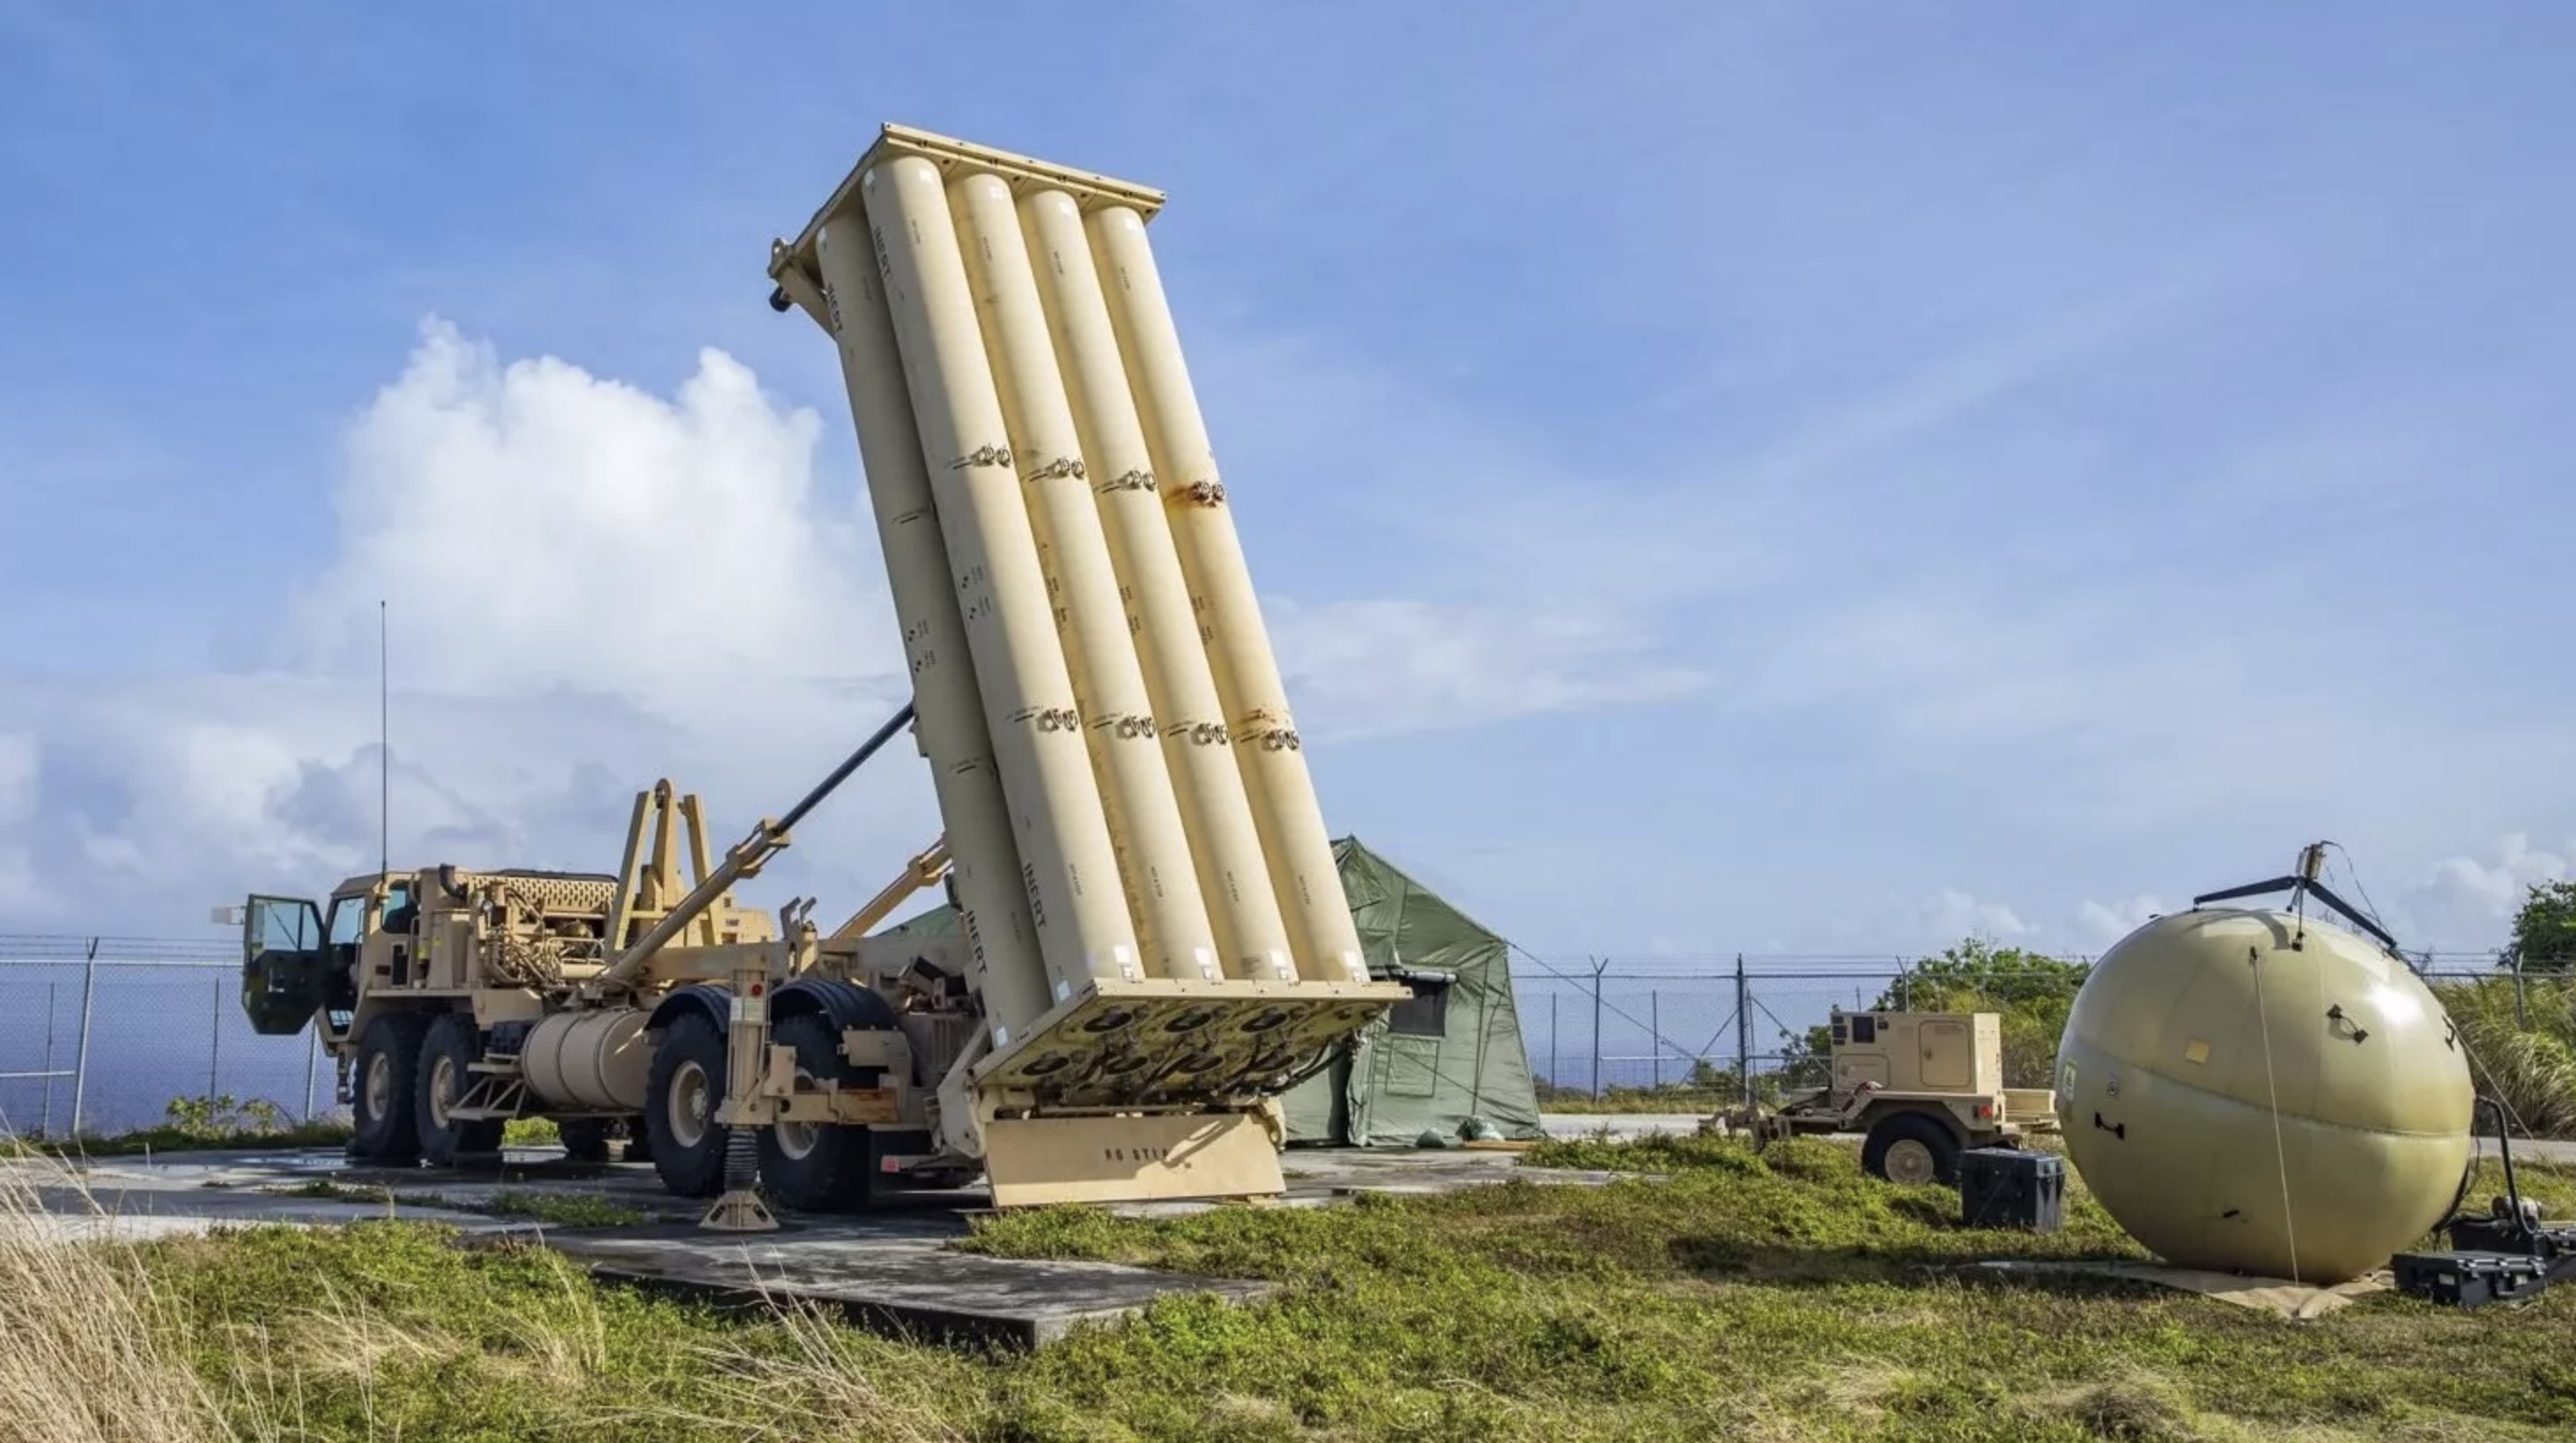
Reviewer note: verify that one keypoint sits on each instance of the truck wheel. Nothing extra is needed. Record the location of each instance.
(1910, 1148)
(388, 1073)
(447, 1052)
(585, 1139)
(683, 1088)
(815, 1166)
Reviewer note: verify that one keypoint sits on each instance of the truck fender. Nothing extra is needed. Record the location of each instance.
(706, 1000)
(1870, 1115)
(847, 1004)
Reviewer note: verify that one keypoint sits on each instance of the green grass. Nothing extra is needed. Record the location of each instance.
(565, 1210)
(530, 1132)
(166, 1138)
(1778, 1297)
(1654, 1152)
(557, 1209)
(196, 1124)
(1613, 1100)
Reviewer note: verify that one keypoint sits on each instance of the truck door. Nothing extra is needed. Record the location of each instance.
(281, 964)
(1947, 1057)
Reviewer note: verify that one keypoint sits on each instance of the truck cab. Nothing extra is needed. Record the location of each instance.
(301, 960)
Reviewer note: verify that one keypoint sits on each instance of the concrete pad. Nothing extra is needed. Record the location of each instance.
(894, 1275)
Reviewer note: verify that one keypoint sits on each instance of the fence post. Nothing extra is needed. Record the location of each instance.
(215, 1044)
(80, 1066)
(1743, 1033)
(1554, 1077)
(1655, 1025)
(1599, 966)
(2520, 1022)
(312, 1054)
(45, 1127)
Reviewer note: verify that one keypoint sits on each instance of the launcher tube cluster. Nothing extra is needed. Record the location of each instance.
(1125, 791)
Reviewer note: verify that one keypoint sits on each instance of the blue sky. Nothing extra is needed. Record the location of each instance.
(1769, 478)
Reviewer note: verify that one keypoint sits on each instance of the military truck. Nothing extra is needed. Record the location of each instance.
(1920, 1088)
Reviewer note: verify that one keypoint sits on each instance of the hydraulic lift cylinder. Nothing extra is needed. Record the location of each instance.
(1266, 746)
(1076, 901)
(1233, 875)
(1161, 882)
(983, 861)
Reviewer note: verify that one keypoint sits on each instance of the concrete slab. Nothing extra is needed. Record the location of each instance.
(893, 1274)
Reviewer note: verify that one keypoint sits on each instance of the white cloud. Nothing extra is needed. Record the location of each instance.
(17, 777)
(536, 527)
(2103, 923)
(2465, 901)
(18, 762)
(1955, 914)
(591, 586)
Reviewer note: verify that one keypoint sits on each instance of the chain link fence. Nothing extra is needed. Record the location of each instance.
(99, 1035)
(1606, 1033)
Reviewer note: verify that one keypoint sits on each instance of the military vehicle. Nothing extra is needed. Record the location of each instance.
(1920, 1087)
(1156, 943)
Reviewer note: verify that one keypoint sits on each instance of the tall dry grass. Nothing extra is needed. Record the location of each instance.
(2525, 1058)
(94, 1350)
(86, 1351)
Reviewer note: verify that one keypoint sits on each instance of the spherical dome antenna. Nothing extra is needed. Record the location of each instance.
(2257, 1090)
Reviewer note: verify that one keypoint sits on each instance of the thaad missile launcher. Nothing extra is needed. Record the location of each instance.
(1155, 942)
(1153, 918)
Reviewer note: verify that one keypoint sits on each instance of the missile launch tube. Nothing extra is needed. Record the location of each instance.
(983, 861)
(1066, 861)
(1161, 881)
(1266, 745)
(1233, 876)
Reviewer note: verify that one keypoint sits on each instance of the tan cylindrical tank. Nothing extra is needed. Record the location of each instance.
(1071, 875)
(983, 861)
(1265, 743)
(2248, 1091)
(1234, 878)
(592, 1061)
(1161, 882)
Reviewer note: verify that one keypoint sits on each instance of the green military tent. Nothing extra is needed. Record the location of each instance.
(1451, 1053)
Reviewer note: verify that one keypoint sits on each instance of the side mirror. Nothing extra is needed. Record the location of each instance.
(228, 916)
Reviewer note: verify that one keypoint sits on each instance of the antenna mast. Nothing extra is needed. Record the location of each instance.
(384, 748)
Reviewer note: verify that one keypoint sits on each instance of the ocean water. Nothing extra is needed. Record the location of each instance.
(159, 1028)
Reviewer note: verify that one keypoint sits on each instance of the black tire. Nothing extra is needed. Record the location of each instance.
(691, 1049)
(381, 1092)
(1897, 1132)
(816, 1167)
(585, 1139)
(451, 1046)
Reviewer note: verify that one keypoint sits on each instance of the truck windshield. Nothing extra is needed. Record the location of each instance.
(348, 914)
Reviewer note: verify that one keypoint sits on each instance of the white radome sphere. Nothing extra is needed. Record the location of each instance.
(2315, 1157)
